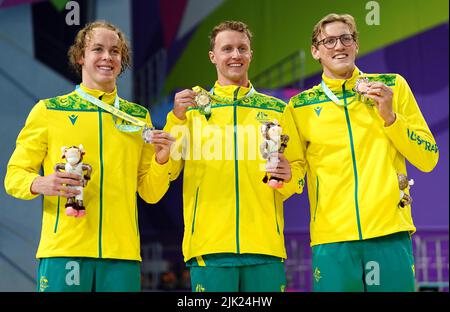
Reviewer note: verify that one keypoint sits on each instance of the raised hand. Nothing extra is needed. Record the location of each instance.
(382, 97)
(182, 101)
(162, 141)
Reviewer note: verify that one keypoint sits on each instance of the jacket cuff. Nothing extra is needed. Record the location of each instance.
(161, 169)
(28, 181)
(172, 119)
(396, 128)
(292, 187)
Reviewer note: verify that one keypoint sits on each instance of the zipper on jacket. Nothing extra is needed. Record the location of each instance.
(236, 168)
(317, 197)
(275, 205)
(195, 210)
(355, 171)
(57, 216)
(100, 128)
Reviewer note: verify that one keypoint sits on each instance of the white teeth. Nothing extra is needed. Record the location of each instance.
(105, 68)
(340, 56)
(235, 65)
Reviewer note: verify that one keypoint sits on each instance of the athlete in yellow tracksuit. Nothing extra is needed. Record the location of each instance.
(233, 236)
(100, 251)
(354, 151)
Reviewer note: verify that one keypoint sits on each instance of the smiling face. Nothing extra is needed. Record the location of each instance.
(338, 62)
(232, 56)
(101, 62)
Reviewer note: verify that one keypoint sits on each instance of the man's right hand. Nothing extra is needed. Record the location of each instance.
(182, 101)
(57, 184)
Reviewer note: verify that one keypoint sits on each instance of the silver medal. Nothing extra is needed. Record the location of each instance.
(147, 134)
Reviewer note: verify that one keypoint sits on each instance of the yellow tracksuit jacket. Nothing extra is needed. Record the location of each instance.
(121, 165)
(227, 207)
(353, 159)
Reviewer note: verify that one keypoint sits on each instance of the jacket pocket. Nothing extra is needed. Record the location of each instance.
(195, 211)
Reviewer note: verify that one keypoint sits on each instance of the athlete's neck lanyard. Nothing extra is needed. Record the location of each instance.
(219, 99)
(333, 96)
(114, 110)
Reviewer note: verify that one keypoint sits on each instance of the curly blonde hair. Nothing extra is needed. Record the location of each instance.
(76, 51)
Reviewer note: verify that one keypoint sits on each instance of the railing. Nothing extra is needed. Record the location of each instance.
(150, 78)
(288, 71)
(153, 266)
(431, 262)
(431, 254)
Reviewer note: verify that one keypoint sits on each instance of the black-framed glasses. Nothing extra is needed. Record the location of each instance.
(330, 42)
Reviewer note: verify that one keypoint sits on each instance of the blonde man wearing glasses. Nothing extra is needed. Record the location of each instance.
(357, 130)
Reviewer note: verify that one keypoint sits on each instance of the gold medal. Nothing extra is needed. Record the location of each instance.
(203, 100)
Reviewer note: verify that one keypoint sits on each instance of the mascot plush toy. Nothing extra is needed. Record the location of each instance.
(404, 184)
(273, 143)
(74, 156)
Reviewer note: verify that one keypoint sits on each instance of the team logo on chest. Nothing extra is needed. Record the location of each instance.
(318, 110)
(262, 117)
(73, 118)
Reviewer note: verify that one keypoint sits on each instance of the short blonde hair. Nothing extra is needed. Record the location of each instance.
(333, 17)
(229, 25)
(76, 51)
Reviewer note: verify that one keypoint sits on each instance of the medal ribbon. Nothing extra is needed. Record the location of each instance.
(333, 96)
(218, 99)
(115, 111)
